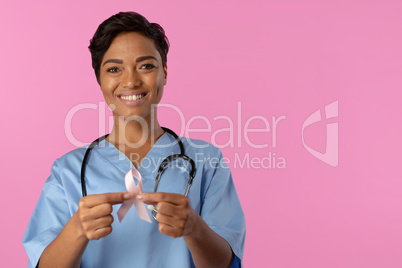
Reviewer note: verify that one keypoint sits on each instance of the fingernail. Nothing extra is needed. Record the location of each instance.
(127, 195)
(140, 197)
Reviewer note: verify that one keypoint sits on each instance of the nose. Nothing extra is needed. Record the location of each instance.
(131, 79)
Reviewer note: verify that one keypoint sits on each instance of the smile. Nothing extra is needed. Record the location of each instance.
(133, 97)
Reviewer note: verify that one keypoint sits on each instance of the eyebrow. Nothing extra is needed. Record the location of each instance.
(118, 61)
(145, 58)
(113, 61)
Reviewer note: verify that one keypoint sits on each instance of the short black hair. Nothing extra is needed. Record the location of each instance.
(120, 23)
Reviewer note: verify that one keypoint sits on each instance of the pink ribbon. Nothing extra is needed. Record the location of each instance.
(134, 190)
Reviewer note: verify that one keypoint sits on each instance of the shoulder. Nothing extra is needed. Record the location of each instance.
(72, 157)
(200, 146)
(205, 154)
(69, 162)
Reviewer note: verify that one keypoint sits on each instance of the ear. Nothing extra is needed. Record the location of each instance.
(165, 72)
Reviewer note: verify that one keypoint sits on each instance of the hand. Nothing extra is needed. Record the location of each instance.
(175, 215)
(94, 212)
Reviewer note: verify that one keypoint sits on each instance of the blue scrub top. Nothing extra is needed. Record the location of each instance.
(134, 242)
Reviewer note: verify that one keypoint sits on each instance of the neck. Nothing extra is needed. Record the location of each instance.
(134, 134)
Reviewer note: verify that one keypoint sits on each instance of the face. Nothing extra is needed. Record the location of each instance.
(132, 75)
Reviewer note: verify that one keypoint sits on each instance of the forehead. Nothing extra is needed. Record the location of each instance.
(131, 45)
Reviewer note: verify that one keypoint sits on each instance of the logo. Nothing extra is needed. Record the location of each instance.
(330, 156)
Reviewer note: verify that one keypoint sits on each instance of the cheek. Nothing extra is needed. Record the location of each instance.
(108, 85)
(160, 80)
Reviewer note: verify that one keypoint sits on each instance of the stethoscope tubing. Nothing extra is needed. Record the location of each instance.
(162, 167)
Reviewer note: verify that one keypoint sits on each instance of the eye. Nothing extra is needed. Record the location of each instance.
(112, 70)
(148, 66)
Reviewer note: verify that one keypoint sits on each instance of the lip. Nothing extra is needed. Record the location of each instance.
(129, 93)
(132, 102)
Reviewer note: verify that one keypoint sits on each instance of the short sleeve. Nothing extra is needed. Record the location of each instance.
(48, 219)
(221, 208)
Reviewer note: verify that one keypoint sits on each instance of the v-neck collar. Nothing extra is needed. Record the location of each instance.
(162, 148)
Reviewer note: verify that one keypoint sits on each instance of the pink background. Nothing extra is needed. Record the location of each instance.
(277, 58)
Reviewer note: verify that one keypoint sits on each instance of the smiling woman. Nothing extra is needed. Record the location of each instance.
(70, 229)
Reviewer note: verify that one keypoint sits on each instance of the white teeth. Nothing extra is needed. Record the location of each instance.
(132, 97)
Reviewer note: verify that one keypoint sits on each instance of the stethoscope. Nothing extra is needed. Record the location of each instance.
(165, 164)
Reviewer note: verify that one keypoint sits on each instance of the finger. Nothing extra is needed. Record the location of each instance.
(172, 210)
(169, 230)
(171, 221)
(111, 198)
(98, 211)
(98, 223)
(154, 198)
(99, 233)
(115, 198)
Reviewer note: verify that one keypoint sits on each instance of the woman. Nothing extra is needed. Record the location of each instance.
(204, 229)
